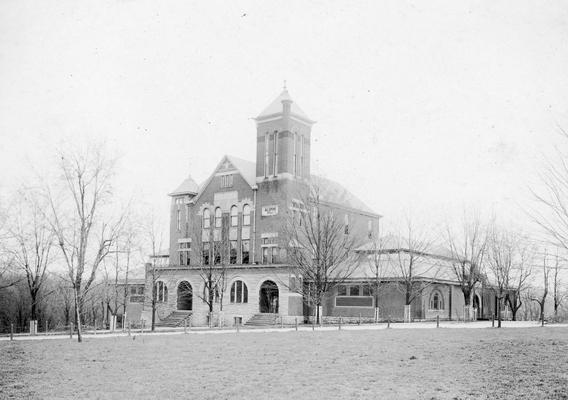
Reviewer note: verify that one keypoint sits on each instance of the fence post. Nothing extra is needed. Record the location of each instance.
(492, 320)
(128, 327)
(437, 321)
(95, 326)
(11, 331)
(339, 323)
(359, 318)
(46, 326)
(296, 323)
(185, 326)
(190, 320)
(389, 322)
(281, 322)
(238, 326)
(71, 330)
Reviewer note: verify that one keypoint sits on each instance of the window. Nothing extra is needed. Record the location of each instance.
(265, 255)
(436, 301)
(234, 216)
(184, 249)
(246, 215)
(141, 290)
(206, 250)
(161, 292)
(179, 220)
(245, 245)
(206, 218)
(275, 254)
(233, 252)
(217, 253)
(239, 292)
(132, 290)
(227, 181)
(275, 167)
(266, 137)
(354, 291)
(218, 217)
(366, 290)
(342, 290)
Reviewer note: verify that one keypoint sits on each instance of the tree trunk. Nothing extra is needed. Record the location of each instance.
(466, 296)
(542, 313)
(78, 316)
(33, 306)
(153, 315)
(499, 312)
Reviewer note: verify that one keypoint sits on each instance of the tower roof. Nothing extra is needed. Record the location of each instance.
(188, 186)
(276, 107)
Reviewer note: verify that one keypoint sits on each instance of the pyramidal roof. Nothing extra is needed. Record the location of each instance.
(276, 107)
(334, 192)
(188, 186)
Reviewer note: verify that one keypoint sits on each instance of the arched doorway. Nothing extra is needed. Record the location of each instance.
(268, 297)
(184, 296)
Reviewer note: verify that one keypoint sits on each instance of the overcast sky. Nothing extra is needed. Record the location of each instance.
(422, 106)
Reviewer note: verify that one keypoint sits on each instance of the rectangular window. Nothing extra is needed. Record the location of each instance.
(227, 181)
(179, 220)
(265, 255)
(275, 253)
(206, 249)
(366, 291)
(354, 291)
(181, 258)
(275, 167)
(266, 145)
(245, 251)
(233, 250)
(342, 290)
(141, 290)
(217, 251)
(132, 290)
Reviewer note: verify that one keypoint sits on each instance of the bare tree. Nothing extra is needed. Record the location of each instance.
(29, 242)
(467, 250)
(540, 298)
(85, 235)
(154, 269)
(319, 249)
(509, 259)
(558, 295)
(412, 261)
(378, 266)
(213, 257)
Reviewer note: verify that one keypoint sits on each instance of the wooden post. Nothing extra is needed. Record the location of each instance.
(313, 324)
(71, 330)
(46, 326)
(339, 326)
(437, 321)
(281, 322)
(492, 320)
(238, 326)
(389, 322)
(185, 326)
(359, 318)
(11, 331)
(128, 327)
(190, 319)
(296, 323)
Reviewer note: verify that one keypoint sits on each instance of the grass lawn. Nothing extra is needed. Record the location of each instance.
(530, 363)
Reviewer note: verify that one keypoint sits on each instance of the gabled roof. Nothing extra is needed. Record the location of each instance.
(246, 168)
(188, 186)
(276, 107)
(333, 192)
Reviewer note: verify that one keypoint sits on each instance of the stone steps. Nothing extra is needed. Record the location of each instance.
(175, 319)
(264, 319)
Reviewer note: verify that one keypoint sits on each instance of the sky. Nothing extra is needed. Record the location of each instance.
(423, 108)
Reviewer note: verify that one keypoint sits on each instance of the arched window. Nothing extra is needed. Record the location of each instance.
(246, 215)
(161, 291)
(234, 216)
(206, 218)
(239, 292)
(218, 217)
(436, 301)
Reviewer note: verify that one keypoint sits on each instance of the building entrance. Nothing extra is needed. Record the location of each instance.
(184, 296)
(268, 297)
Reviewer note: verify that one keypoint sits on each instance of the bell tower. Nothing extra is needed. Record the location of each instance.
(283, 140)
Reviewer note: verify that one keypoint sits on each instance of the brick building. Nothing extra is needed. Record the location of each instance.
(244, 205)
